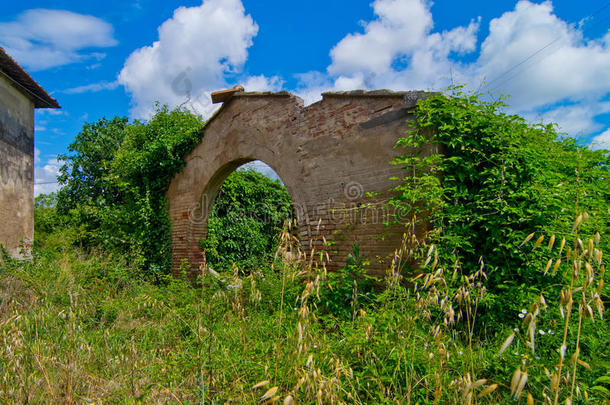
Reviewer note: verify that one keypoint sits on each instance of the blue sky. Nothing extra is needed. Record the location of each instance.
(118, 57)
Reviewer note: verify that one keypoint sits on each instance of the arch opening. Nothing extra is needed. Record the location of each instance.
(249, 206)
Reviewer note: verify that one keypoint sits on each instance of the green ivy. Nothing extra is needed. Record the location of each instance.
(115, 179)
(495, 179)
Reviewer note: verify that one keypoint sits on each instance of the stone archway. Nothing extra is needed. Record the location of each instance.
(329, 155)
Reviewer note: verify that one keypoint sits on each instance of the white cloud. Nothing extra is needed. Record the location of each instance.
(575, 119)
(42, 38)
(547, 66)
(45, 177)
(263, 83)
(93, 87)
(539, 59)
(398, 50)
(50, 111)
(311, 85)
(601, 141)
(197, 50)
(398, 30)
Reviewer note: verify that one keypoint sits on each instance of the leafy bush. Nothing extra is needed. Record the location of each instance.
(246, 218)
(350, 288)
(46, 213)
(115, 179)
(494, 180)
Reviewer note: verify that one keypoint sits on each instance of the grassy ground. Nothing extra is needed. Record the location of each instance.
(78, 328)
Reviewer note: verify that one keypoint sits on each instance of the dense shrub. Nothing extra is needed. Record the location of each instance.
(246, 218)
(114, 182)
(113, 195)
(497, 180)
(46, 214)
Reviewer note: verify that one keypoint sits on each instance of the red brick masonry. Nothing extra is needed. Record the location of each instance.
(330, 155)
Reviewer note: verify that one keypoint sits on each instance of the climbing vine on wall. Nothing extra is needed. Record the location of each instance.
(497, 180)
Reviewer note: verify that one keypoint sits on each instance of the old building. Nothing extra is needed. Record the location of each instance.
(19, 96)
(333, 156)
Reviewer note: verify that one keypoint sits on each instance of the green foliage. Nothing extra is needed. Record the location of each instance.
(77, 325)
(113, 195)
(247, 216)
(114, 183)
(46, 213)
(602, 384)
(350, 288)
(81, 324)
(493, 180)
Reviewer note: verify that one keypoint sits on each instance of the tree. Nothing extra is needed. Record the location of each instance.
(246, 218)
(115, 179)
(497, 180)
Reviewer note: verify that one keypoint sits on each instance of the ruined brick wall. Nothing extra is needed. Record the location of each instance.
(16, 168)
(329, 155)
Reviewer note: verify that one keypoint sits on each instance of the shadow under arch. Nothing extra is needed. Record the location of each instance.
(245, 219)
(200, 214)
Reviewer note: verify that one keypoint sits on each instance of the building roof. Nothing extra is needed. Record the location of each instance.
(25, 82)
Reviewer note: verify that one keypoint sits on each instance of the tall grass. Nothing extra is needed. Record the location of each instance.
(78, 328)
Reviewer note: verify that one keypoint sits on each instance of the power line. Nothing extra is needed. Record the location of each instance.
(520, 63)
(591, 16)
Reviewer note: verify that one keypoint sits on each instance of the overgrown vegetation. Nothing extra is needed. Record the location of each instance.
(508, 305)
(81, 328)
(496, 180)
(114, 183)
(245, 221)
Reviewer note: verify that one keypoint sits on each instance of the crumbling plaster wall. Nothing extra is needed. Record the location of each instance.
(16, 169)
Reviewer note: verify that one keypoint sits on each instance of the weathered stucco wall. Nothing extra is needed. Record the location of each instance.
(329, 155)
(16, 168)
